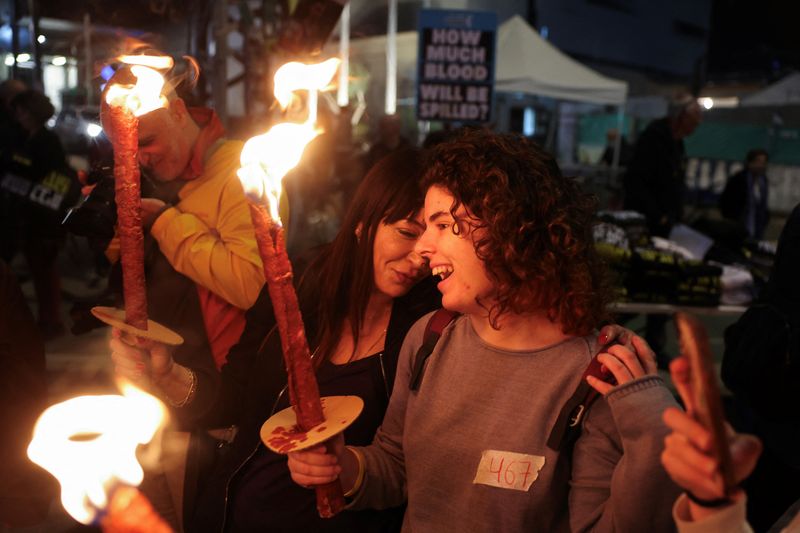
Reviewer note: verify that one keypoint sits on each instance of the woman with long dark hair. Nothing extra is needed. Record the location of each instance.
(359, 296)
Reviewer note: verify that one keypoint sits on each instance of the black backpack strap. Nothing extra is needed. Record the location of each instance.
(433, 331)
(568, 424)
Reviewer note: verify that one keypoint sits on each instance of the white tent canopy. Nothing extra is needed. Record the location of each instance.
(528, 64)
(783, 92)
(525, 62)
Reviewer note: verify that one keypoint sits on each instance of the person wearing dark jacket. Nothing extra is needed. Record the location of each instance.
(202, 266)
(745, 197)
(25, 489)
(773, 486)
(10, 202)
(654, 183)
(655, 187)
(42, 177)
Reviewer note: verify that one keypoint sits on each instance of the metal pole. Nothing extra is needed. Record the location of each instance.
(617, 143)
(342, 95)
(550, 141)
(15, 38)
(87, 58)
(33, 28)
(391, 60)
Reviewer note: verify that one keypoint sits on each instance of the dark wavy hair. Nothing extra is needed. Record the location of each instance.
(755, 153)
(536, 239)
(390, 192)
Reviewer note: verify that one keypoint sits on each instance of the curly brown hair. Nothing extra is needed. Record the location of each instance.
(536, 238)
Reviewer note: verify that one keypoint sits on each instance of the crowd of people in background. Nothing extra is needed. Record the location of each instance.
(37, 187)
(478, 223)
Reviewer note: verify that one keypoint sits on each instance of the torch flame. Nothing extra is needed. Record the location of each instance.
(267, 158)
(295, 76)
(89, 443)
(156, 62)
(143, 97)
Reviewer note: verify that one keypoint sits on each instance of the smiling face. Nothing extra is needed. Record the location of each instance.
(465, 286)
(396, 265)
(165, 141)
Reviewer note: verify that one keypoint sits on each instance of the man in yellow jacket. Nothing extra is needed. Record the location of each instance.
(202, 266)
(204, 231)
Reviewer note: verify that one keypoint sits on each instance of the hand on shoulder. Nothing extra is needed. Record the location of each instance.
(627, 359)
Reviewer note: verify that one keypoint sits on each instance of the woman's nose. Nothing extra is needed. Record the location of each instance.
(423, 246)
(418, 261)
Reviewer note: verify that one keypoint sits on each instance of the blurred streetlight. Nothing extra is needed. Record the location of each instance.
(93, 130)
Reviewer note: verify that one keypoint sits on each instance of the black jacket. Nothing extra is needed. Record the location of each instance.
(733, 204)
(46, 185)
(655, 181)
(25, 489)
(783, 287)
(251, 383)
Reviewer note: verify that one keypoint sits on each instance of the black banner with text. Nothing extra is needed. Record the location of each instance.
(455, 71)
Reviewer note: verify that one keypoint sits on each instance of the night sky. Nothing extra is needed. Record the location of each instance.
(753, 39)
(137, 14)
(750, 40)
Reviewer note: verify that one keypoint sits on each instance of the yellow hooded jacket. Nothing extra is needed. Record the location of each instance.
(208, 235)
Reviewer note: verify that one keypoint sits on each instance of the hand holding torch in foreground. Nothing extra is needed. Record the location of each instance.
(89, 444)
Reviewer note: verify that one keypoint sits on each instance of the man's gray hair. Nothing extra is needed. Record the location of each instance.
(679, 103)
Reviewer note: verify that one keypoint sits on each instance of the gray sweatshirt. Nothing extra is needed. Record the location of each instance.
(468, 449)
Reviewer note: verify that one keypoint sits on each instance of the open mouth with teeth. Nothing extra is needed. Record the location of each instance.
(442, 271)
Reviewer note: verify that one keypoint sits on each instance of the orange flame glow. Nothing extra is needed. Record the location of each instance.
(156, 62)
(146, 95)
(295, 76)
(89, 443)
(267, 158)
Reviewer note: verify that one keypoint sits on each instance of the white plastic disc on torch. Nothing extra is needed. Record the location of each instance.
(116, 318)
(281, 434)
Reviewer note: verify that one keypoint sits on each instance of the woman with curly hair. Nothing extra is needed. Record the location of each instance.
(467, 447)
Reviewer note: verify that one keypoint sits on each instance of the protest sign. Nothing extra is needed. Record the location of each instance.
(455, 71)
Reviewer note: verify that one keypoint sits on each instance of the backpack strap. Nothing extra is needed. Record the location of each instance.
(433, 331)
(568, 424)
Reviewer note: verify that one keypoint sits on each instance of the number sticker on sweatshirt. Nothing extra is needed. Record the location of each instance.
(508, 470)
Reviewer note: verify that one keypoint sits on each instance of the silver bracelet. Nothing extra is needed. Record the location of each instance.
(189, 395)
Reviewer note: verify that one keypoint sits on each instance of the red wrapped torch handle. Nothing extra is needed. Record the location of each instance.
(130, 512)
(129, 216)
(303, 388)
